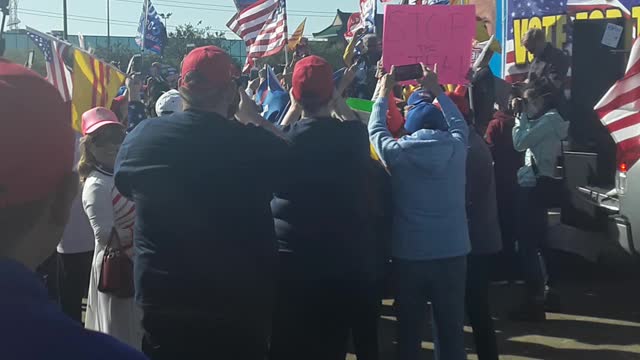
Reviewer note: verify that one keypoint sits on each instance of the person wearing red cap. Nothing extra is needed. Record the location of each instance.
(111, 216)
(205, 245)
(37, 188)
(331, 255)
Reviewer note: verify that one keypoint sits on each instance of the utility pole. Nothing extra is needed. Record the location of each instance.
(108, 25)
(65, 32)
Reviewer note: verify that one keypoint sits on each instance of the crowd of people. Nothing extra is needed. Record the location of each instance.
(254, 239)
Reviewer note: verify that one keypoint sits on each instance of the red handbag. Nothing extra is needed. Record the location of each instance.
(116, 275)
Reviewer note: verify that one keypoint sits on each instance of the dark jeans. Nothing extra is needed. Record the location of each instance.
(188, 335)
(442, 282)
(74, 271)
(313, 317)
(477, 305)
(532, 232)
(507, 267)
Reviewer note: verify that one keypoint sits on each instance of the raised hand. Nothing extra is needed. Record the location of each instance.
(387, 83)
(430, 80)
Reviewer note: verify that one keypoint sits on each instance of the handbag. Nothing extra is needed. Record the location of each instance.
(116, 275)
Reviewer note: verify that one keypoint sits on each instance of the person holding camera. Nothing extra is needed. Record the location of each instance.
(539, 131)
(206, 251)
(430, 239)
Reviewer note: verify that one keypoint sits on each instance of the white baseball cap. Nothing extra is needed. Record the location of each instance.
(169, 102)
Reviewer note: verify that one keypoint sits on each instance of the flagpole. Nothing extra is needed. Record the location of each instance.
(65, 33)
(286, 37)
(144, 33)
(375, 15)
(109, 25)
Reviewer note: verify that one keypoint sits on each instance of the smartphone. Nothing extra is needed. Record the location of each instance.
(408, 72)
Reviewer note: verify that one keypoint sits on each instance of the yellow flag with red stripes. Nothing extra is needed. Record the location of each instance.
(297, 35)
(95, 83)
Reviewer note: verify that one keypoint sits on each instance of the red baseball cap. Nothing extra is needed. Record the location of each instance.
(312, 81)
(213, 63)
(36, 138)
(96, 118)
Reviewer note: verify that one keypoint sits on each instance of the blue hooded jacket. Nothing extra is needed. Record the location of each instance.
(428, 179)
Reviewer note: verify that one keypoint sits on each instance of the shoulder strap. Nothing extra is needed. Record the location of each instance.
(114, 234)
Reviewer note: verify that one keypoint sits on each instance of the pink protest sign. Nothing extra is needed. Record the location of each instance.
(432, 35)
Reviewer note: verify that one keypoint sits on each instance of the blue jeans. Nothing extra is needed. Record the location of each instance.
(442, 282)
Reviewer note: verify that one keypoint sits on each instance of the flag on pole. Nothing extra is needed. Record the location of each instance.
(242, 4)
(263, 27)
(297, 35)
(353, 25)
(54, 52)
(368, 14)
(29, 63)
(271, 84)
(81, 41)
(619, 110)
(151, 29)
(95, 83)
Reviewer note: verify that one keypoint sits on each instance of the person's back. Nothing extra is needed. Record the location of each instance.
(429, 197)
(506, 159)
(321, 208)
(202, 186)
(34, 209)
(35, 328)
(482, 208)
(204, 238)
(430, 235)
(325, 212)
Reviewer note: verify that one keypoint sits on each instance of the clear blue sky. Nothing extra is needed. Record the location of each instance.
(89, 16)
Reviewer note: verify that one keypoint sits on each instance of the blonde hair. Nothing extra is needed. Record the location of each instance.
(87, 162)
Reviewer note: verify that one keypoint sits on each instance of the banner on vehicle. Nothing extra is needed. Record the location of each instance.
(555, 18)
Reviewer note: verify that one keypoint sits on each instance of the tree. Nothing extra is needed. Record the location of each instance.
(117, 53)
(187, 35)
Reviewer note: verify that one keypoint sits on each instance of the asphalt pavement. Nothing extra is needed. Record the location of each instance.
(599, 317)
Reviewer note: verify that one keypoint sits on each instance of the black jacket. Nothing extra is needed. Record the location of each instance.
(329, 211)
(204, 236)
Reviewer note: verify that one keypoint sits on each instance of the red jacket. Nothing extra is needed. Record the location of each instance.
(506, 159)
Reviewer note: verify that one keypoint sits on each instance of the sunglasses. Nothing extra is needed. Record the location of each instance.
(109, 135)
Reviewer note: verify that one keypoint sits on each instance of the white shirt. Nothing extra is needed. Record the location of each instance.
(78, 235)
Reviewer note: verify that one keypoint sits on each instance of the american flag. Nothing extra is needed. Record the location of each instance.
(57, 72)
(619, 110)
(263, 27)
